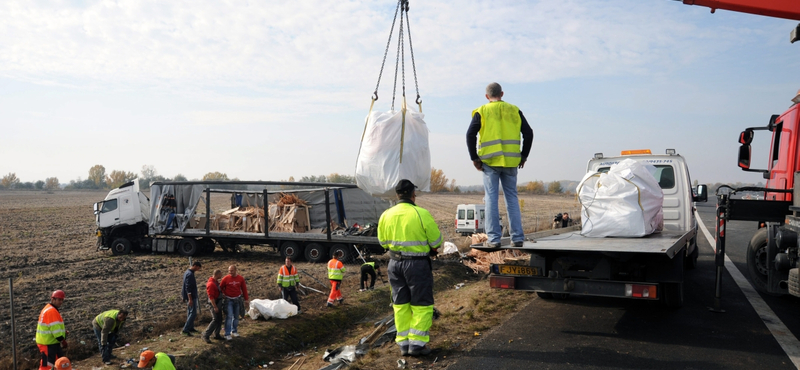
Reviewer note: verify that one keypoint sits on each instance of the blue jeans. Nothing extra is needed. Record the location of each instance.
(105, 351)
(231, 317)
(507, 177)
(191, 314)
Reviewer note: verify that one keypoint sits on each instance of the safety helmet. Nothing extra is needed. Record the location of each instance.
(145, 357)
(63, 363)
(58, 294)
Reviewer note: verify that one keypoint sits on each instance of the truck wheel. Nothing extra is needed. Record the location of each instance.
(187, 247)
(347, 252)
(691, 260)
(672, 294)
(316, 253)
(120, 246)
(291, 250)
(207, 246)
(757, 261)
(544, 295)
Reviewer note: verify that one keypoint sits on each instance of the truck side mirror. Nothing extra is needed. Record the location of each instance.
(702, 194)
(96, 208)
(744, 156)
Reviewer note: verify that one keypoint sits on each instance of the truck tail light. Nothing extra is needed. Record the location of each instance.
(476, 224)
(641, 291)
(501, 282)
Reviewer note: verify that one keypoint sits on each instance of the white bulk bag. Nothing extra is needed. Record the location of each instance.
(626, 201)
(279, 308)
(378, 169)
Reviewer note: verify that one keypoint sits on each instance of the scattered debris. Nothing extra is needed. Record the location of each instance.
(484, 260)
(401, 364)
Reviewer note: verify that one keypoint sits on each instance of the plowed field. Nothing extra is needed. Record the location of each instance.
(47, 242)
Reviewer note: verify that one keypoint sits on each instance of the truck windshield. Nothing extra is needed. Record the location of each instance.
(665, 175)
(109, 205)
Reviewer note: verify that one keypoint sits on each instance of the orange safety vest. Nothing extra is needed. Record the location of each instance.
(335, 270)
(51, 326)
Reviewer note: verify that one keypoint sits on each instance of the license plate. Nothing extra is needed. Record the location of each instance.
(518, 270)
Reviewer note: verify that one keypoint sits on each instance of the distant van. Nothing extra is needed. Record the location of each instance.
(470, 218)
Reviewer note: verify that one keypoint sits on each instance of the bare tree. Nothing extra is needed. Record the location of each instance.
(10, 181)
(117, 178)
(97, 176)
(438, 181)
(51, 183)
(215, 176)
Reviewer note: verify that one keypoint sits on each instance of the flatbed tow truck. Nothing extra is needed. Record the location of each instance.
(649, 267)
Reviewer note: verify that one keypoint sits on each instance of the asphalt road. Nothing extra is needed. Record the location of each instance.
(606, 333)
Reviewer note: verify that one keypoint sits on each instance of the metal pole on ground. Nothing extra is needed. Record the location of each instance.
(13, 327)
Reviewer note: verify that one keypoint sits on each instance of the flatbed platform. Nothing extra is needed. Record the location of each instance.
(666, 242)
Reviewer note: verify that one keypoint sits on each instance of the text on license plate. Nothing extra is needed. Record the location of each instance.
(518, 270)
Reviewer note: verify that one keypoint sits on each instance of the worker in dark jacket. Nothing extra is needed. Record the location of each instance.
(106, 328)
(368, 270)
(411, 236)
(189, 295)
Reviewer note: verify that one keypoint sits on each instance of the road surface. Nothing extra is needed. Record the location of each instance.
(606, 333)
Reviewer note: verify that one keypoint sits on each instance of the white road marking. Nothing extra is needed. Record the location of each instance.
(782, 334)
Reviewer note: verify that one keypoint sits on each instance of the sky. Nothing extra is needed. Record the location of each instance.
(265, 90)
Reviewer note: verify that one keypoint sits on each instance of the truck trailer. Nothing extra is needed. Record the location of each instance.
(178, 217)
(649, 267)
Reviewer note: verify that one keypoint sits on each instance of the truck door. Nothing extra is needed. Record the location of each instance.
(108, 214)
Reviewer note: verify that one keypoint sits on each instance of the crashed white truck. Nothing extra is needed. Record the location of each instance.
(649, 267)
(176, 218)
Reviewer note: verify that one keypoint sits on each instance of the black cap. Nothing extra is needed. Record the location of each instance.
(405, 188)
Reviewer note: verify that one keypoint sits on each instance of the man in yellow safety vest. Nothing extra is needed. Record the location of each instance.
(287, 282)
(500, 125)
(335, 275)
(411, 236)
(106, 327)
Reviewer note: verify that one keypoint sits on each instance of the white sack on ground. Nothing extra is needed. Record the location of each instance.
(378, 169)
(279, 309)
(626, 201)
(449, 248)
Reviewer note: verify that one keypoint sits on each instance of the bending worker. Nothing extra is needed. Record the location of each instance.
(368, 270)
(51, 336)
(158, 361)
(106, 327)
(335, 275)
(287, 282)
(411, 236)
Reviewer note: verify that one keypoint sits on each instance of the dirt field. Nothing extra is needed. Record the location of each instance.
(47, 242)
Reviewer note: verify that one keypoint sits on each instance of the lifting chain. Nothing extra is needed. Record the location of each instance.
(399, 67)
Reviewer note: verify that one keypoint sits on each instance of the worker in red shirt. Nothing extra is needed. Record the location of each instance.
(215, 300)
(234, 290)
(335, 275)
(51, 336)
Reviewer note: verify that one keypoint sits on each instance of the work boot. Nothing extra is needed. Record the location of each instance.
(329, 304)
(186, 333)
(207, 340)
(424, 351)
(340, 300)
(403, 350)
(518, 244)
(219, 337)
(493, 245)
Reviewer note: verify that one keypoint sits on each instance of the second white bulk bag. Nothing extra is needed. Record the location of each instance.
(625, 202)
(378, 169)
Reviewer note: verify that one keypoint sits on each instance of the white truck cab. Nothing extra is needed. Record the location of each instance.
(125, 205)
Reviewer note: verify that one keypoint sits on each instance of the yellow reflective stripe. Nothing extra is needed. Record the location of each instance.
(497, 154)
(413, 243)
(502, 142)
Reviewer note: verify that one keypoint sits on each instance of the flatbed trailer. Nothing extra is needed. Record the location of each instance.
(128, 220)
(649, 267)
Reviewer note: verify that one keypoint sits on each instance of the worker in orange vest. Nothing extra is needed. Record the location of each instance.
(51, 336)
(287, 282)
(335, 275)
